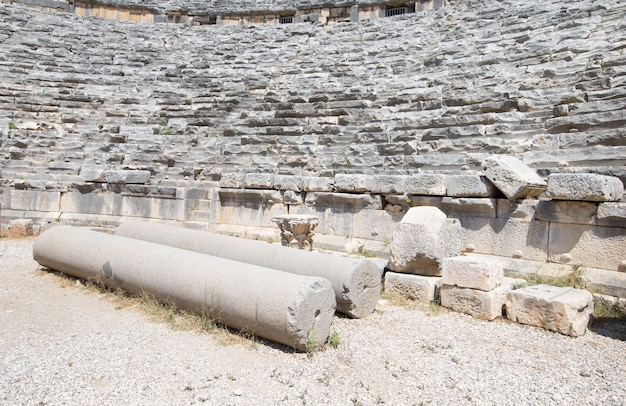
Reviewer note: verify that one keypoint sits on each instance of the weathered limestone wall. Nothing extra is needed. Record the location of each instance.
(224, 127)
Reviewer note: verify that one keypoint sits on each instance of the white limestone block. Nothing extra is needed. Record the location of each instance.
(584, 186)
(513, 177)
(564, 310)
(424, 237)
(472, 272)
(486, 305)
(422, 289)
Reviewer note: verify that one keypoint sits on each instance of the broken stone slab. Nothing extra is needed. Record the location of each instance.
(21, 228)
(424, 237)
(513, 177)
(562, 309)
(423, 289)
(471, 272)
(356, 281)
(290, 309)
(584, 186)
(486, 305)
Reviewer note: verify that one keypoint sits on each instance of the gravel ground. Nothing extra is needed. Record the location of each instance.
(67, 345)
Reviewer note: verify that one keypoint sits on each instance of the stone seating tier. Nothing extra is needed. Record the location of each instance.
(435, 91)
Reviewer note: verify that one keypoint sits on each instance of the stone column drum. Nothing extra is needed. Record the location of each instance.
(293, 310)
(356, 281)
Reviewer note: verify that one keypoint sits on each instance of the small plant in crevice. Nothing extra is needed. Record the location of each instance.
(311, 341)
(12, 126)
(334, 340)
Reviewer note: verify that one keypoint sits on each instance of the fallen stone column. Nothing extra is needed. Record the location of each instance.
(293, 310)
(356, 281)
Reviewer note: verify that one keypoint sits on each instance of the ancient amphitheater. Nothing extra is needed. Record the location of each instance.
(222, 127)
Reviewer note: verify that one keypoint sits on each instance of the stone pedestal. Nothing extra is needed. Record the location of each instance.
(296, 230)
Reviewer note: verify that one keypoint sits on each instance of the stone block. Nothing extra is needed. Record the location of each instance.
(566, 212)
(258, 180)
(471, 272)
(153, 208)
(318, 184)
(232, 180)
(486, 305)
(425, 184)
(589, 246)
(127, 176)
(564, 310)
(346, 201)
(584, 186)
(288, 182)
(92, 173)
(375, 224)
(21, 228)
(469, 186)
(612, 214)
(33, 200)
(249, 207)
(91, 203)
(424, 237)
(505, 237)
(353, 183)
(517, 209)
(423, 289)
(513, 177)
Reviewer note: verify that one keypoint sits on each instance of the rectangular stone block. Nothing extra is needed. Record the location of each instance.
(422, 289)
(345, 201)
(248, 207)
(33, 200)
(288, 182)
(92, 203)
(318, 184)
(353, 183)
(590, 246)
(375, 224)
(479, 303)
(566, 212)
(584, 186)
(505, 237)
(258, 180)
(564, 310)
(127, 176)
(155, 208)
(469, 186)
(513, 177)
(471, 272)
(425, 184)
